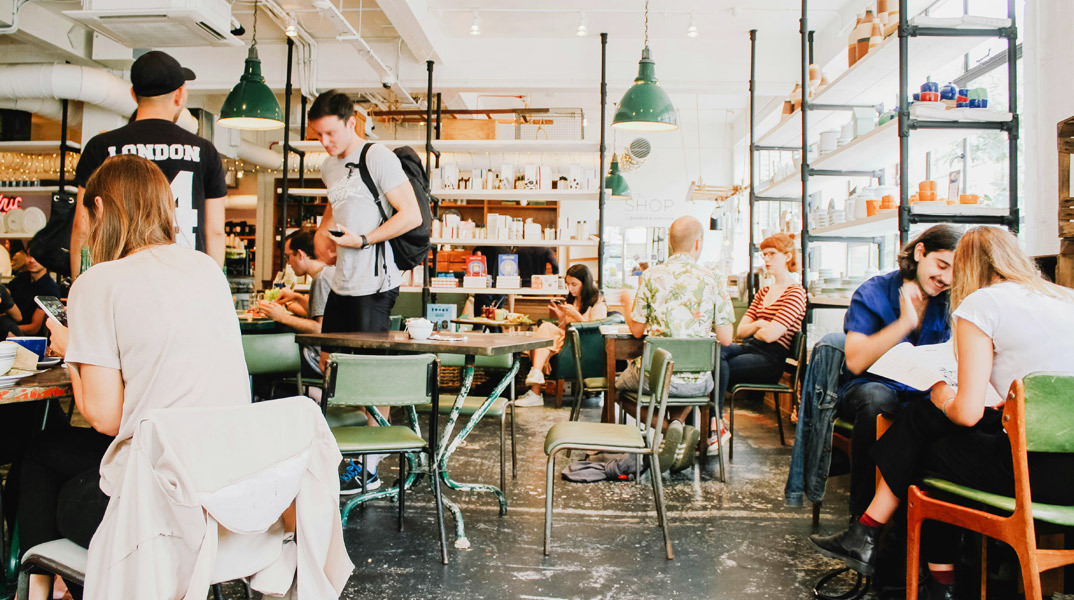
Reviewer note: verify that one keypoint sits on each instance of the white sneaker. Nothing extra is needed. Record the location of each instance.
(725, 439)
(535, 377)
(529, 399)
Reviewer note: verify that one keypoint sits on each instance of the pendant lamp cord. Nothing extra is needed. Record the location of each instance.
(254, 43)
(646, 23)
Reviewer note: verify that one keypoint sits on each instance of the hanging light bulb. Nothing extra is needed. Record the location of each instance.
(475, 24)
(583, 25)
(691, 31)
(646, 106)
(292, 26)
(251, 104)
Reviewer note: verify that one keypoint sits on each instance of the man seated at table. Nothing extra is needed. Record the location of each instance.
(34, 281)
(298, 311)
(679, 298)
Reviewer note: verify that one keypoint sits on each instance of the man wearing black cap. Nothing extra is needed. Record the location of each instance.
(190, 162)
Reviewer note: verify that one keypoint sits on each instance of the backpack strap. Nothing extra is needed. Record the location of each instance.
(367, 179)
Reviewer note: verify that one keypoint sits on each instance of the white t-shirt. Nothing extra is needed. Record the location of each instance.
(357, 270)
(164, 317)
(1031, 332)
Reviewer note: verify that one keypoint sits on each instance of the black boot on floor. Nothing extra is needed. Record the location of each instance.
(855, 546)
(934, 590)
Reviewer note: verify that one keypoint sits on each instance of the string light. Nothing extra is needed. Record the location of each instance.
(475, 24)
(582, 25)
(691, 31)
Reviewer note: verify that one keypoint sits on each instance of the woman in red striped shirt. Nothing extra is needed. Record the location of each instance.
(768, 326)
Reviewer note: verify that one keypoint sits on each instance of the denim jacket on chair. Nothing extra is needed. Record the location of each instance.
(812, 454)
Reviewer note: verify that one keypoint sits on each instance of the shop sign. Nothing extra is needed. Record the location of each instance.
(7, 203)
(643, 211)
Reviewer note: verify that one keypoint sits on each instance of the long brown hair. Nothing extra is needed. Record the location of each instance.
(784, 244)
(987, 254)
(138, 209)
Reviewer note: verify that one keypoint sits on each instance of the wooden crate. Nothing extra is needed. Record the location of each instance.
(1064, 272)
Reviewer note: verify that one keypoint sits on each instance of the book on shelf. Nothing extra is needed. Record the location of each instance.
(475, 281)
(476, 266)
(442, 316)
(509, 281)
(444, 281)
(507, 265)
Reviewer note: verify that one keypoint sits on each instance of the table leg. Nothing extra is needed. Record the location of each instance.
(608, 414)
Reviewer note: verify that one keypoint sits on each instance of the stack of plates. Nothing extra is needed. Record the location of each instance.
(13, 220)
(7, 355)
(33, 220)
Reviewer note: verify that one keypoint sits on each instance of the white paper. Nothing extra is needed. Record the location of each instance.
(919, 367)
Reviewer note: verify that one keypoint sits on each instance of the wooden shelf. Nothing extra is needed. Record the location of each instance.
(872, 80)
(887, 223)
(517, 195)
(474, 146)
(17, 236)
(829, 302)
(503, 291)
(518, 243)
(37, 146)
(49, 189)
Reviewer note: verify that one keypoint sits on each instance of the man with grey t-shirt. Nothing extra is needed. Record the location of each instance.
(298, 311)
(366, 281)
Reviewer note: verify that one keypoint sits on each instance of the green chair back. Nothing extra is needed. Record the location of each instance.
(590, 350)
(272, 353)
(396, 322)
(1049, 420)
(360, 380)
(661, 367)
(692, 355)
(500, 361)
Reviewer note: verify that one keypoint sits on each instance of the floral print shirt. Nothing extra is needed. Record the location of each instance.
(681, 298)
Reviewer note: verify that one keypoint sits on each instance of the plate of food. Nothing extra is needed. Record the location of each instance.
(9, 379)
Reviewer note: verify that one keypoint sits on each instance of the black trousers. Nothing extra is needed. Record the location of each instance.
(20, 423)
(358, 313)
(59, 491)
(922, 442)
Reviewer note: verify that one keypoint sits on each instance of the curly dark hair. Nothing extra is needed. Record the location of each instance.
(935, 239)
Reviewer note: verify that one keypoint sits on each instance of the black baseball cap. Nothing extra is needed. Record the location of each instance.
(156, 73)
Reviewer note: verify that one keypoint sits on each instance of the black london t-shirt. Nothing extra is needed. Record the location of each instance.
(190, 163)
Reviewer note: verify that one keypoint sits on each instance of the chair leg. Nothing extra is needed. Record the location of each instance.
(731, 427)
(402, 487)
(1030, 574)
(705, 415)
(218, 591)
(576, 410)
(514, 452)
(913, 543)
(503, 452)
(435, 476)
(779, 420)
(559, 393)
(816, 514)
(658, 492)
(549, 484)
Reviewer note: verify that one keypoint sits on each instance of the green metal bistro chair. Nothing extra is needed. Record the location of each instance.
(612, 437)
(498, 410)
(795, 360)
(692, 355)
(582, 362)
(279, 354)
(359, 380)
(395, 322)
(1037, 418)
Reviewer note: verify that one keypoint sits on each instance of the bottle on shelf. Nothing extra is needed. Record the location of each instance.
(863, 32)
(85, 261)
(852, 42)
(877, 36)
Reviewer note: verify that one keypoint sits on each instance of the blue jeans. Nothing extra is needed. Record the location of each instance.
(738, 364)
(860, 404)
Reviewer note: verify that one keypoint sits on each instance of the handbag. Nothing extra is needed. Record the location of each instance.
(51, 246)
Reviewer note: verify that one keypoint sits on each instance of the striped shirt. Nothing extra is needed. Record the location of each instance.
(788, 310)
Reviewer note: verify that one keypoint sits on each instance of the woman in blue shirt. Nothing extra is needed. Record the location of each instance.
(907, 305)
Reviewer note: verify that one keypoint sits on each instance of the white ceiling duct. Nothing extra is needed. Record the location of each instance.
(159, 23)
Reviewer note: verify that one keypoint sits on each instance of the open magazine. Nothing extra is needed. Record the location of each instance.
(922, 367)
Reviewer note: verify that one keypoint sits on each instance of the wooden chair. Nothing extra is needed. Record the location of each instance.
(1037, 418)
(796, 360)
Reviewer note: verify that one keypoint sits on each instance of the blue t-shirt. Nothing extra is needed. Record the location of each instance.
(875, 305)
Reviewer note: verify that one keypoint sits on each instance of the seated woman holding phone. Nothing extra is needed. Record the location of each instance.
(136, 343)
(583, 303)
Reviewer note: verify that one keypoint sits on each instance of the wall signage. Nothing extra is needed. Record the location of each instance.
(7, 203)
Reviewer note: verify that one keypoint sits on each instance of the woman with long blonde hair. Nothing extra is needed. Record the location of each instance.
(152, 325)
(1008, 322)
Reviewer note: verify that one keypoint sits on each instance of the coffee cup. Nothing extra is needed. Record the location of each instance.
(418, 328)
(34, 344)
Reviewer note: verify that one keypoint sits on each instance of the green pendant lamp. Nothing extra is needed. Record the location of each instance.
(616, 182)
(251, 104)
(646, 106)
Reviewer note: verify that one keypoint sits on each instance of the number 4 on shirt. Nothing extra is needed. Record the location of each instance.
(186, 217)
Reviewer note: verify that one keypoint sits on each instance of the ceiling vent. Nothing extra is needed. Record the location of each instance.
(160, 23)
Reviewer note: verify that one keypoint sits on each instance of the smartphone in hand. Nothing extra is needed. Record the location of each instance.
(53, 308)
(335, 232)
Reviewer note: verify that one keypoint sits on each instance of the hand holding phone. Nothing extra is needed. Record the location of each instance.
(53, 308)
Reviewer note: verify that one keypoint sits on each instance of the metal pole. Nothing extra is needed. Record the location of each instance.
(805, 148)
(436, 201)
(600, 175)
(904, 126)
(425, 294)
(286, 147)
(753, 195)
(1012, 102)
(63, 143)
(302, 137)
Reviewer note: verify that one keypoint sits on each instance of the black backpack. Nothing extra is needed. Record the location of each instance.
(411, 248)
(51, 245)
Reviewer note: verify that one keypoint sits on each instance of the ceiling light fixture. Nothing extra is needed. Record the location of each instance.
(292, 27)
(475, 24)
(691, 31)
(646, 106)
(251, 104)
(616, 182)
(583, 25)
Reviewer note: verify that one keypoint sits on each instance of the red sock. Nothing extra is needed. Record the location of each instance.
(869, 521)
(943, 577)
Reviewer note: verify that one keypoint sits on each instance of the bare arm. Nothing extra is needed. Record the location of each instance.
(770, 331)
(725, 334)
(637, 328)
(323, 244)
(79, 232)
(863, 350)
(34, 326)
(747, 326)
(98, 391)
(215, 240)
(15, 313)
(278, 313)
(975, 351)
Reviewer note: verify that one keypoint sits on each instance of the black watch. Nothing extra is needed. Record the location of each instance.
(365, 242)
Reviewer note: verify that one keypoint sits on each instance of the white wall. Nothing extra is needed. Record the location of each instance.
(1049, 98)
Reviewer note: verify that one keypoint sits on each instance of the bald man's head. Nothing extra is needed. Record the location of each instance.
(684, 236)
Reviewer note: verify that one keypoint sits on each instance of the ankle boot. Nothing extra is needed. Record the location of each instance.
(855, 546)
(935, 590)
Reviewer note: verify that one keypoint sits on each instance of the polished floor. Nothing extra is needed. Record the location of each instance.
(732, 540)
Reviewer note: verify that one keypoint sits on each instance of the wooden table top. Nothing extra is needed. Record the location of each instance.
(52, 383)
(476, 344)
(482, 322)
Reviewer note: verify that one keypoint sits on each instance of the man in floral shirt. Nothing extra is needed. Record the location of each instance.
(678, 298)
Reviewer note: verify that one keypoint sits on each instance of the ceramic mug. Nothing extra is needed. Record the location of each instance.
(930, 86)
(34, 344)
(418, 328)
(872, 207)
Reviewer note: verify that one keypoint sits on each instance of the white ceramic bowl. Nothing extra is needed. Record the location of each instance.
(419, 331)
(7, 356)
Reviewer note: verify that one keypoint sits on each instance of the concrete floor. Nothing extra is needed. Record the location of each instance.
(732, 540)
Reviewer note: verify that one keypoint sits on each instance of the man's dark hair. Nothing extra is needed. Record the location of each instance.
(935, 239)
(302, 239)
(332, 103)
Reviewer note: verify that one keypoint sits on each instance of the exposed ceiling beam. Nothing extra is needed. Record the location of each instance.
(55, 35)
(411, 19)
